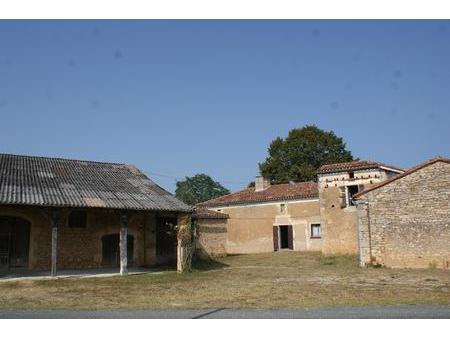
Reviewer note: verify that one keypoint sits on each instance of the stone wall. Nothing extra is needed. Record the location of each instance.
(406, 222)
(250, 227)
(339, 227)
(211, 237)
(82, 247)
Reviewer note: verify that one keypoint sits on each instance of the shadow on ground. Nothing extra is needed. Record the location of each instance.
(208, 265)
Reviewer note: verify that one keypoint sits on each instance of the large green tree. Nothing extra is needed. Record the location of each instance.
(298, 156)
(199, 188)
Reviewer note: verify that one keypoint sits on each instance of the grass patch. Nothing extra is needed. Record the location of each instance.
(272, 280)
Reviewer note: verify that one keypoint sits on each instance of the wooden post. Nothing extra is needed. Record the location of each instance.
(55, 221)
(123, 244)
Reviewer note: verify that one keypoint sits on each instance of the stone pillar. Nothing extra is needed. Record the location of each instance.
(123, 244)
(185, 243)
(55, 223)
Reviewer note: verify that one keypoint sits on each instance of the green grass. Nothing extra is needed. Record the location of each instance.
(272, 280)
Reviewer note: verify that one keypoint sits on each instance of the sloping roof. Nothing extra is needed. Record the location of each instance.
(406, 173)
(42, 181)
(288, 191)
(356, 165)
(203, 213)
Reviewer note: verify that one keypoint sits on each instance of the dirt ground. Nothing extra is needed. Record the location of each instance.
(272, 280)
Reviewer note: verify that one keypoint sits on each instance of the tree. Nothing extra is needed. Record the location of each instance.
(199, 188)
(298, 156)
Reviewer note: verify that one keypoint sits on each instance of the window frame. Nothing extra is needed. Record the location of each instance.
(348, 198)
(313, 225)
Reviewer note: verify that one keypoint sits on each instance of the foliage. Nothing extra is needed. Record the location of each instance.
(298, 156)
(199, 188)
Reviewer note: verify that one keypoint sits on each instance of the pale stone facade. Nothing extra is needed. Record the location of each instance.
(337, 213)
(249, 227)
(406, 222)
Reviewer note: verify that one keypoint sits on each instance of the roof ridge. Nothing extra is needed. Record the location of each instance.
(62, 158)
(405, 173)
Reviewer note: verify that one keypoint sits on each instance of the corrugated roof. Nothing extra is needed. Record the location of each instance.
(356, 165)
(288, 191)
(43, 181)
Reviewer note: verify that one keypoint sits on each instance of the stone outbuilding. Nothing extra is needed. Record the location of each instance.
(72, 214)
(405, 221)
(211, 233)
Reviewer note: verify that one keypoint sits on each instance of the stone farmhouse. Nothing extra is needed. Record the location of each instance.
(71, 214)
(318, 216)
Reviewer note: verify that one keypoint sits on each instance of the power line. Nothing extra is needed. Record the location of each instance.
(179, 178)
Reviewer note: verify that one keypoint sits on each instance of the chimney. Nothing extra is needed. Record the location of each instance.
(261, 183)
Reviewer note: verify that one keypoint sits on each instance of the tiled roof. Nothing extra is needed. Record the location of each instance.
(288, 191)
(203, 213)
(355, 165)
(41, 181)
(406, 173)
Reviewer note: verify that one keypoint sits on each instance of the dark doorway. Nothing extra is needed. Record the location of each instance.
(14, 243)
(111, 250)
(286, 237)
(166, 242)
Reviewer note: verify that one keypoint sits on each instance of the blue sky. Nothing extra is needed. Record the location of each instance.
(177, 98)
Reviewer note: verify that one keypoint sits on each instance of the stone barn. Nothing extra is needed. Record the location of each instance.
(73, 214)
(405, 221)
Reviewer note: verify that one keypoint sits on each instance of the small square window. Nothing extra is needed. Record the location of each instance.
(315, 231)
(351, 174)
(77, 219)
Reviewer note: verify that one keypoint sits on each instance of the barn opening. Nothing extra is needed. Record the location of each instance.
(14, 243)
(111, 250)
(166, 242)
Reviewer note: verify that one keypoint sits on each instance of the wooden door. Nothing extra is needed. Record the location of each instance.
(275, 238)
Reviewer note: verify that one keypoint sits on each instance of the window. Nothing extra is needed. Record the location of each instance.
(351, 174)
(77, 219)
(283, 208)
(351, 190)
(315, 230)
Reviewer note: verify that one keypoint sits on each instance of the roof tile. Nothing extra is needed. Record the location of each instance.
(288, 191)
(354, 165)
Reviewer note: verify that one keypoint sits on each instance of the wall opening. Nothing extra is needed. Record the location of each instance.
(14, 243)
(111, 250)
(166, 241)
(286, 237)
